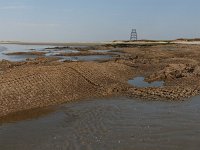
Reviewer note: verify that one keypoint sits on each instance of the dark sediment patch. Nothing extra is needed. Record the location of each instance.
(27, 53)
(26, 115)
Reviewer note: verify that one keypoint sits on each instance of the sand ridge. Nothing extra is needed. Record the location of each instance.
(37, 86)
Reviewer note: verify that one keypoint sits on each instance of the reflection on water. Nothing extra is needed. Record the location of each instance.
(139, 82)
(118, 123)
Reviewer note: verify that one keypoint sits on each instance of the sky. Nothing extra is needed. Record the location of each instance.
(97, 20)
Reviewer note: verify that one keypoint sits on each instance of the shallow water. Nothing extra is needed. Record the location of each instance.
(118, 123)
(139, 82)
(9, 48)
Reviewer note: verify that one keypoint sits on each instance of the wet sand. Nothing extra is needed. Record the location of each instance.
(27, 53)
(45, 82)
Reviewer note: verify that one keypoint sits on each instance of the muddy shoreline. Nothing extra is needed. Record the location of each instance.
(44, 82)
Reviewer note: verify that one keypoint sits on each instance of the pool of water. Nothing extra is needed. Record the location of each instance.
(117, 123)
(139, 82)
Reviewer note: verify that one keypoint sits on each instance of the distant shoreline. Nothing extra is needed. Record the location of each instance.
(52, 43)
(178, 41)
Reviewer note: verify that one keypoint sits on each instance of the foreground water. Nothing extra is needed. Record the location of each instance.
(118, 123)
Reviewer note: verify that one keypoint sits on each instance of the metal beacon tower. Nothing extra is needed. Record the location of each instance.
(134, 36)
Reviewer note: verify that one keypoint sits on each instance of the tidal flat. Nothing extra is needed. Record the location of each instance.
(90, 104)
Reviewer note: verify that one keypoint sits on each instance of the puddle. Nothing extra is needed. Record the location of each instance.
(117, 123)
(139, 82)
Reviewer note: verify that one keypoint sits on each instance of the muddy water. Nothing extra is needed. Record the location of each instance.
(118, 123)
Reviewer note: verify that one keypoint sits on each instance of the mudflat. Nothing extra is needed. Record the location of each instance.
(45, 81)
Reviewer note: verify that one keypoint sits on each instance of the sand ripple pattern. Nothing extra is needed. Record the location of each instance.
(37, 86)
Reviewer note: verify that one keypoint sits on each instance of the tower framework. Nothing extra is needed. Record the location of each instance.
(134, 35)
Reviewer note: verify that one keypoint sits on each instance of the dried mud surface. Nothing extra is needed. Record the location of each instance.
(44, 81)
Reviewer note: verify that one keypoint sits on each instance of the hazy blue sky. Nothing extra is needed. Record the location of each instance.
(98, 20)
